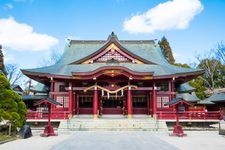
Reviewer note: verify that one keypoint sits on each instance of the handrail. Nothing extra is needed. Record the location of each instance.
(187, 115)
(44, 115)
(190, 115)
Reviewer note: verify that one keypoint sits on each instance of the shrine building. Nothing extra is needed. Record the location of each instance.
(112, 77)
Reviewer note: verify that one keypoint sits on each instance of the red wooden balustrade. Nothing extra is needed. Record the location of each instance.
(187, 115)
(190, 115)
(162, 113)
(44, 115)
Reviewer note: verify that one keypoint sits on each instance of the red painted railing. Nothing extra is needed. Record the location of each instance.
(187, 115)
(190, 115)
(44, 115)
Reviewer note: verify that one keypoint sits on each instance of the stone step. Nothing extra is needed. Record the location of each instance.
(112, 124)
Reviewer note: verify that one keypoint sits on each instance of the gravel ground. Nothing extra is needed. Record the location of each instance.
(124, 140)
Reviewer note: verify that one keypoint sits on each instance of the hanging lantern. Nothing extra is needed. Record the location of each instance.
(102, 93)
(122, 92)
(108, 95)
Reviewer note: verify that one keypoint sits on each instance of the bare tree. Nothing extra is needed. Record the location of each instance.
(13, 73)
(210, 65)
(220, 52)
(28, 85)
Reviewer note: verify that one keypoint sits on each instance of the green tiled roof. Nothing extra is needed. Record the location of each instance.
(33, 97)
(206, 102)
(176, 101)
(49, 100)
(215, 98)
(185, 87)
(78, 49)
(39, 88)
(188, 97)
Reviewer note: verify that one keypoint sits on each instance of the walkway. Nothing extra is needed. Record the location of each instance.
(120, 140)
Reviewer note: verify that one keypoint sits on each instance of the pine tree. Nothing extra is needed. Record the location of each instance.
(166, 50)
(12, 107)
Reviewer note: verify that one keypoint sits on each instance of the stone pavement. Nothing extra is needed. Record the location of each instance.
(120, 140)
(114, 140)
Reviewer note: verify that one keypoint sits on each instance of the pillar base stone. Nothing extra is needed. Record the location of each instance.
(129, 116)
(95, 116)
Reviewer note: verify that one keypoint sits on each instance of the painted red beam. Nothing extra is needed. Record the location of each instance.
(112, 71)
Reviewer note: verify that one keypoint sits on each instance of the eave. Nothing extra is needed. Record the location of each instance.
(43, 77)
(177, 101)
(113, 71)
(183, 77)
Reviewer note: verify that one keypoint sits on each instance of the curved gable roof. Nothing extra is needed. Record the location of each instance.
(146, 50)
(112, 39)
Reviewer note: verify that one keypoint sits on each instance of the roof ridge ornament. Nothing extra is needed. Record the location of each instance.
(112, 36)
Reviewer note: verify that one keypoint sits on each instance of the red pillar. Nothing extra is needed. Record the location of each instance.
(52, 85)
(49, 130)
(95, 103)
(75, 104)
(177, 116)
(154, 99)
(51, 88)
(129, 103)
(172, 88)
(150, 104)
(49, 114)
(70, 98)
(172, 91)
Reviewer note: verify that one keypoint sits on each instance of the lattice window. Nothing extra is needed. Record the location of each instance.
(165, 99)
(113, 55)
(64, 100)
(60, 100)
(161, 100)
(85, 101)
(139, 101)
(163, 86)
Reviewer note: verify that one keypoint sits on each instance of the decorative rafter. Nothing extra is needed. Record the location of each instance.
(112, 54)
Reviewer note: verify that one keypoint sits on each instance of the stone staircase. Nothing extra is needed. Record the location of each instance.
(112, 123)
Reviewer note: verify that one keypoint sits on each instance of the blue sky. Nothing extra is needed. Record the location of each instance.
(31, 29)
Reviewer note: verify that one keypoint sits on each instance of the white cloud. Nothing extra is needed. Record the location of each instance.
(8, 6)
(175, 14)
(8, 58)
(21, 37)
